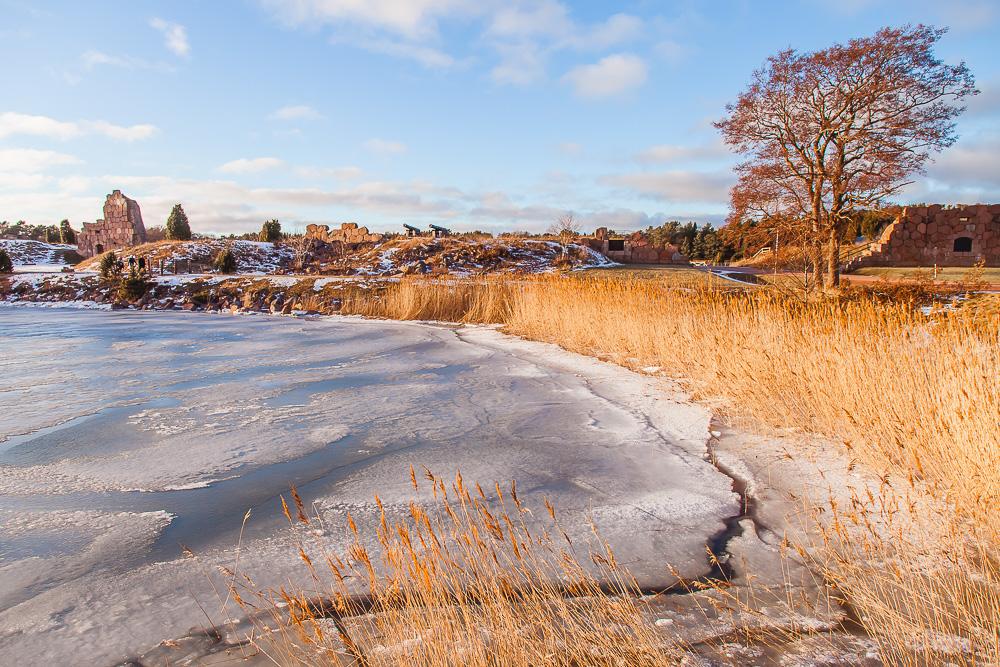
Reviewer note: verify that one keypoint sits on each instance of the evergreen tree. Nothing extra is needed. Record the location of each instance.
(270, 231)
(712, 246)
(6, 266)
(225, 261)
(66, 233)
(686, 248)
(133, 286)
(178, 228)
(109, 265)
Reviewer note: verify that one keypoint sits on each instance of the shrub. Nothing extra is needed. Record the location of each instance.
(133, 286)
(178, 228)
(6, 266)
(270, 231)
(109, 265)
(225, 261)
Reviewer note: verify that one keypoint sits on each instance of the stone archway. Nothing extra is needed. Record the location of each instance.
(962, 244)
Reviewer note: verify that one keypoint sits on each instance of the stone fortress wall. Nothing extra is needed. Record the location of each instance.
(633, 249)
(120, 228)
(959, 235)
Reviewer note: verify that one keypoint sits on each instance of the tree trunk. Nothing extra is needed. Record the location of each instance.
(833, 259)
(816, 257)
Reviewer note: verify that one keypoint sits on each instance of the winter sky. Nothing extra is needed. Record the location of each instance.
(478, 114)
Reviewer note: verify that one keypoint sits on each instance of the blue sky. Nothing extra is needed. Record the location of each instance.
(472, 113)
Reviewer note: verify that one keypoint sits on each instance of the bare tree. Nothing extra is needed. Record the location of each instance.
(565, 225)
(827, 133)
(303, 245)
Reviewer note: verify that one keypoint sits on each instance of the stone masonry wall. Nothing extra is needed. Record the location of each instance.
(348, 234)
(637, 249)
(121, 227)
(926, 235)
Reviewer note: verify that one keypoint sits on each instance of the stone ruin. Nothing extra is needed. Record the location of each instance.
(121, 227)
(944, 235)
(348, 234)
(633, 249)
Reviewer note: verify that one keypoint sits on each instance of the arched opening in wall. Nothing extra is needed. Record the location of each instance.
(98, 249)
(963, 244)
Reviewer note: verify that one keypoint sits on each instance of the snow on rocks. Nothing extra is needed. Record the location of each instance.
(252, 257)
(27, 254)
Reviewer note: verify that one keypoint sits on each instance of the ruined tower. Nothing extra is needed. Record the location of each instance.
(121, 227)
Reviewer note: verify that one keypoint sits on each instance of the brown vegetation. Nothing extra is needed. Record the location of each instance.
(461, 580)
(914, 398)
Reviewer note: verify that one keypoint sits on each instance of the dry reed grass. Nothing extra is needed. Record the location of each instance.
(459, 580)
(913, 397)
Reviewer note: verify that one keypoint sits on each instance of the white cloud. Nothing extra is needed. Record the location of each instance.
(224, 206)
(12, 123)
(618, 29)
(385, 147)
(677, 153)
(610, 76)
(40, 126)
(251, 165)
(92, 59)
(677, 185)
(520, 64)
(174, 36)
(425, 55)
(671, 50)
(130, 133)
(338, 173)
(966, 173)
(20, 181)
(522, 34)
(550, 21)
(30, 160)
(414, 19)
(296, 112)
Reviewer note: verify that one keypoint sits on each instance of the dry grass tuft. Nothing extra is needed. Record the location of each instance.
(461, 580)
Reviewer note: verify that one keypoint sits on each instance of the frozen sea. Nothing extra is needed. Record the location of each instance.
(124, 435)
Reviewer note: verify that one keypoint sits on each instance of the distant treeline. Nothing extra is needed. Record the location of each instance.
(61, 233)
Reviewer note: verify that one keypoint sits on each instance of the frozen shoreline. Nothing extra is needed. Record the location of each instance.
(597, 439)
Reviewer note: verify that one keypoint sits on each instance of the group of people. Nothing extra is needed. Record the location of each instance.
(134, 264)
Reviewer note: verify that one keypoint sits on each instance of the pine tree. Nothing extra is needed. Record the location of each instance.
(109, 265)
(6, 266)
(178, 228)
(270, 231)
(66, 233)
(686, 247)
(225, 261)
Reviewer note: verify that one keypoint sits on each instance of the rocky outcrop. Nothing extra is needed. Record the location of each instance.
(348, 234)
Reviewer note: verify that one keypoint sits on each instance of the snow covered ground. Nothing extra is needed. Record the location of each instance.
(36, 256)
(124, 435)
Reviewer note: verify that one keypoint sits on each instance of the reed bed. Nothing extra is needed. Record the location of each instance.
(913, 397)
(460, 579)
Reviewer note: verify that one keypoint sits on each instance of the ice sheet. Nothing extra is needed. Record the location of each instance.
(142, 431)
